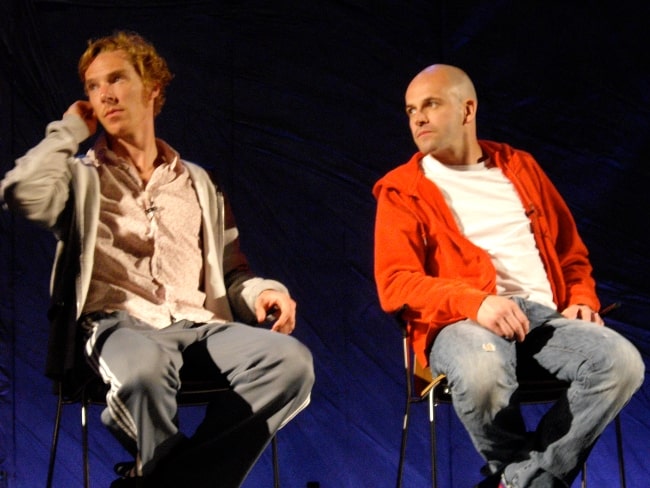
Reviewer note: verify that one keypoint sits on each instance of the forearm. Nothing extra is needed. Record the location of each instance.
(243, 290)
(38, 186)
(409, 268)
(432, 299)
(242, 285)
(577, 272)
(566, 255)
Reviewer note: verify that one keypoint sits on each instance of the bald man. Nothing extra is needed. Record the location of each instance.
(476, 240)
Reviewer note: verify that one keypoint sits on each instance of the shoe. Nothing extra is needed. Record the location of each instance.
(133, 482)
(492, 481)
(124, 469)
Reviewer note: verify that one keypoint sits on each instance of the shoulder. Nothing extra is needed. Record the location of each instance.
(400, 177)
(197, 172)
(502, 154)
(204, 182)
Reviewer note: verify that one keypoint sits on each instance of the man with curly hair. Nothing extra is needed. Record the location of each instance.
(157, 276)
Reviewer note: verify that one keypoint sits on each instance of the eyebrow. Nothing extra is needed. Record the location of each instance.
(120, 71)
(423, 102)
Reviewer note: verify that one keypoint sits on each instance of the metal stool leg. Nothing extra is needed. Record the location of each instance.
(55, 439)
(402, 451)
(276, 463)
(434, 447)
(84, 437)
(619, 448)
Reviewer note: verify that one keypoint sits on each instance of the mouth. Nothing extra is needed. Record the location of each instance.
(111, 112)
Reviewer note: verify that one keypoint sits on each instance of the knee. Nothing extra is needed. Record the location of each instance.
(287, 371)
(620, 363)
(296, 365)
(486, 383)
(480, 366)
(627, 367)
(150, 371)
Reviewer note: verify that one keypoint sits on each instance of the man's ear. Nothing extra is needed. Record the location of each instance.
(469, 108)
(154, 91)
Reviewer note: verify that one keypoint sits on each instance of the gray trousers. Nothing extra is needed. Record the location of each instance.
(270, 376)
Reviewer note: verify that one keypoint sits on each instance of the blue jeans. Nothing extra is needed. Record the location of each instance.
(603, 368)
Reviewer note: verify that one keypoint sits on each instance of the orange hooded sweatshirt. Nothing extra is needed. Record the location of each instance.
(423, 260)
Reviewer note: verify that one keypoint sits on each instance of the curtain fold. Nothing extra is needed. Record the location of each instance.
(298, 107)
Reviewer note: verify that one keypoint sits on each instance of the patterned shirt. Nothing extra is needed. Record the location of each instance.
(148, 259)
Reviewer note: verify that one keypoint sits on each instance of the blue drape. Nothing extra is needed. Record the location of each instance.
(298, 106)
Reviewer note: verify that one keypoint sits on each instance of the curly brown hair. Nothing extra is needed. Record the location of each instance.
(150, 66)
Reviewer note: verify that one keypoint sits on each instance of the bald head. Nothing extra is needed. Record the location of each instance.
(441, 105)
(451, 77)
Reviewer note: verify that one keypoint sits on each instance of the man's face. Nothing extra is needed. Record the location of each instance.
(436, 115)
(121, 102)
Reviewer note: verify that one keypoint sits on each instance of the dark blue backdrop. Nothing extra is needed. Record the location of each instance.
(299, 108)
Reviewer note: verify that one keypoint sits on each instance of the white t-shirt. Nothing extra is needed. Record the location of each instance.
(489, 213)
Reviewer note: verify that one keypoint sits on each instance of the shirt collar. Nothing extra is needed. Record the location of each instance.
(101, 154)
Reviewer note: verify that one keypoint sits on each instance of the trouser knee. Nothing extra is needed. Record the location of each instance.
(151, 374)
(628, 369)
(487, 387)
(296, 367)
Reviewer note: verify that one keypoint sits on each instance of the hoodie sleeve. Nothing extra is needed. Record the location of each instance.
(439, 275)
(565, 254)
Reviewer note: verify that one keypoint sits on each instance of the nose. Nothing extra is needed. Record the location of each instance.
(419, 119)
(106, 95)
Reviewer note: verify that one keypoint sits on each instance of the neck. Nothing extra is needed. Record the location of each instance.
(463, 157)
(138, 149)
(141, 153)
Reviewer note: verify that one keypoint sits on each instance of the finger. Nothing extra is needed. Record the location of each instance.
(514, 325)
(504, 329)
(285, 317)
(521, 324)
(598, 319)
(595, 317)
(571, 314)
(284, 329)
(260, 313)
(284, 325)
(587, 314)
(520, 332)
